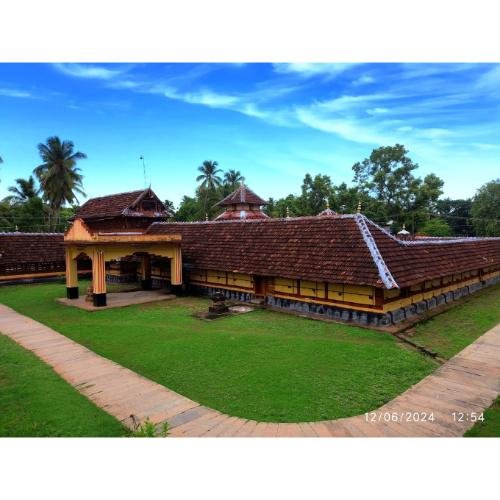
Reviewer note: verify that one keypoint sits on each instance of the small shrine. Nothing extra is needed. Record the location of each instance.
(242, 204)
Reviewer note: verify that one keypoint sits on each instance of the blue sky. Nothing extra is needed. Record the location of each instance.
(273, 122)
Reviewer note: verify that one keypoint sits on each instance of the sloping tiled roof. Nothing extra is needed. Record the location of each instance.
(242, 215)
(242, 195)
(112, 205)
(414, 261)
(313, 248)
(345, 249)
(31, 247)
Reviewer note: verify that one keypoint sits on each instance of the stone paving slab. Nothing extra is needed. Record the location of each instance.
(469, 382)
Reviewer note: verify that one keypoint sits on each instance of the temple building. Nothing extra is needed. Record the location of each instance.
(333, 266)
(242, 204)
(112, 229)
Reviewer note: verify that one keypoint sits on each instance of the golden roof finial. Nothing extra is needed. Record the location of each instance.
(404, 227)
(359, 207)
(327, 203)
(206, 217)
(287, 212)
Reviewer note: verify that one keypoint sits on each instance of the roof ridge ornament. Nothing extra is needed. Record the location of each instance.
(358, 210)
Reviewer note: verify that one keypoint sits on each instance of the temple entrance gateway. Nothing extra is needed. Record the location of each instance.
(105, 247)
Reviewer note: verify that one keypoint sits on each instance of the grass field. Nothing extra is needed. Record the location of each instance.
(262, 365)
(450, 332)
(35, 401)
(491, 425)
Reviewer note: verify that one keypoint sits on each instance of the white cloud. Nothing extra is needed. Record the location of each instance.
(363, 80)
(347, 128)
(307, 70)
(435, 133)
(490, 79)
(204, 97)
(15, 93)
(90, 71)
(377, 111)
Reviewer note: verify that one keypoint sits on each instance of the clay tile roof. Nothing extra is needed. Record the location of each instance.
(242, 195)
(412, 262)
(111, 205)
(344, 249)
(16, 248)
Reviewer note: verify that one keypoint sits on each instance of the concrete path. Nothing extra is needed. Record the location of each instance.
(119, 299)
(469, 382)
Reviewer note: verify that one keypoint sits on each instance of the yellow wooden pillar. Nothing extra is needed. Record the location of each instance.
(71, 275)
(99, 278)
(146, 282)
(176, 267)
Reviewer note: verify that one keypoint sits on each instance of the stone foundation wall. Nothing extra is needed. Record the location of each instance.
(229, 294)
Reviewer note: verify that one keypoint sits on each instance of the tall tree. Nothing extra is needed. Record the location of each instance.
(315, 192)
(59, 177)
(24, 190)
(210, 180)
(232, 179)
(436, 227)
(387, 175)
(169, 205)
(485, 209)
(457, 214)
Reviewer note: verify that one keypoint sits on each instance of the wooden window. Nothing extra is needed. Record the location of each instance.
(286, 286)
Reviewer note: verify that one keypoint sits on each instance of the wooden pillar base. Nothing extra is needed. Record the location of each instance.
(99, 299)
(72, 292)
(147, 284)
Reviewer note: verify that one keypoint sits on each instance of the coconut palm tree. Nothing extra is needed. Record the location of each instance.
(210, 179)
(24, 190)
(59, 176)
(233, 178)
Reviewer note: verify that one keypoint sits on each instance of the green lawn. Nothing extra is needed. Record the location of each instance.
(450, 332)
(491, 425)
(35, 401)
(262, 365)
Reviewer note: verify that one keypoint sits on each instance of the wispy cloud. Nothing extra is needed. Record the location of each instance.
(204, 97)
(489, 79)
(91, 71)
(309, 70)
(22, 94)
(363, 80)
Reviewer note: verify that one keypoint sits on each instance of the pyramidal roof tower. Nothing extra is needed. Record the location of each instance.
(242, 204)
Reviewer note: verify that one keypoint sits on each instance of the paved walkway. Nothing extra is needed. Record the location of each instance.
(119, 299)
(469, 382)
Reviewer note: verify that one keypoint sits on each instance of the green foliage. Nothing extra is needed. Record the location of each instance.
(485, 209)
(35, 401)
(263, 365)
(450, 332)
(457, 215)
(232, 180)
(148, 429)
(190, 210)
(387, 176)
(25, 190)
(315, 192)
(490, 427)
(59, 177)
(210, 180)
(436, 227)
